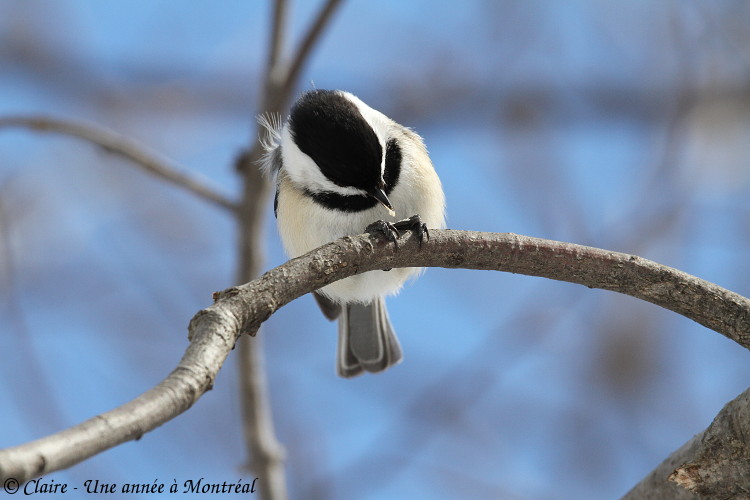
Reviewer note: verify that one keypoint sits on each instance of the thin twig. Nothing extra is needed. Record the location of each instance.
(265, 452)
(214, 330)
(311, 38)
(276, 43)
(120, 145)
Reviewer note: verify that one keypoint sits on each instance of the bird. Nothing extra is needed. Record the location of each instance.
(341, 168)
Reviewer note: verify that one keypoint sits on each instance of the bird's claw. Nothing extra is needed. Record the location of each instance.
(392, 230)
(414, 224)
(388, 229)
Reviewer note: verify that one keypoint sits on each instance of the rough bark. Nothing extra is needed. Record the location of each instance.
(714, 464)
(213, 331)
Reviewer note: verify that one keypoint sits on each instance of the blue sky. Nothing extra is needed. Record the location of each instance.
(619, 125)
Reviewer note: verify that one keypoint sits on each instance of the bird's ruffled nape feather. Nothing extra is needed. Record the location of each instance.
(270, 140)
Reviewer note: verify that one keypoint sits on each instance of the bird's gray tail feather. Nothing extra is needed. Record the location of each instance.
(366, 339)
(331, 309)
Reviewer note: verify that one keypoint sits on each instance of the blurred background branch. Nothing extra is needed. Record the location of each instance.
(266, 453)
(620, 125)
(118, 144)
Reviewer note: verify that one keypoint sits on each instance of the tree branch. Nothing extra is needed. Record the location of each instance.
(714, 464)
(122, 146)
(265, 451)
(214, 330)
(278, 25)
(305, 48)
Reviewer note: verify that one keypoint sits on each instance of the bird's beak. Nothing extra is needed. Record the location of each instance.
(380, 195)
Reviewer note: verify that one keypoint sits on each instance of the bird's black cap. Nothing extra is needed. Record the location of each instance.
(329, 128)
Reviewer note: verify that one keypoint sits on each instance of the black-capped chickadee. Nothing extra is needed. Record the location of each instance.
(341, 165)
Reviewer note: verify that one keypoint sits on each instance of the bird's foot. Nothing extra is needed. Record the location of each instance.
(387, 229)
(392, 230)
(415, 225)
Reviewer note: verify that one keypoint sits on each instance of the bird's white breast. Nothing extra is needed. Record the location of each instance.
(305, 225)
